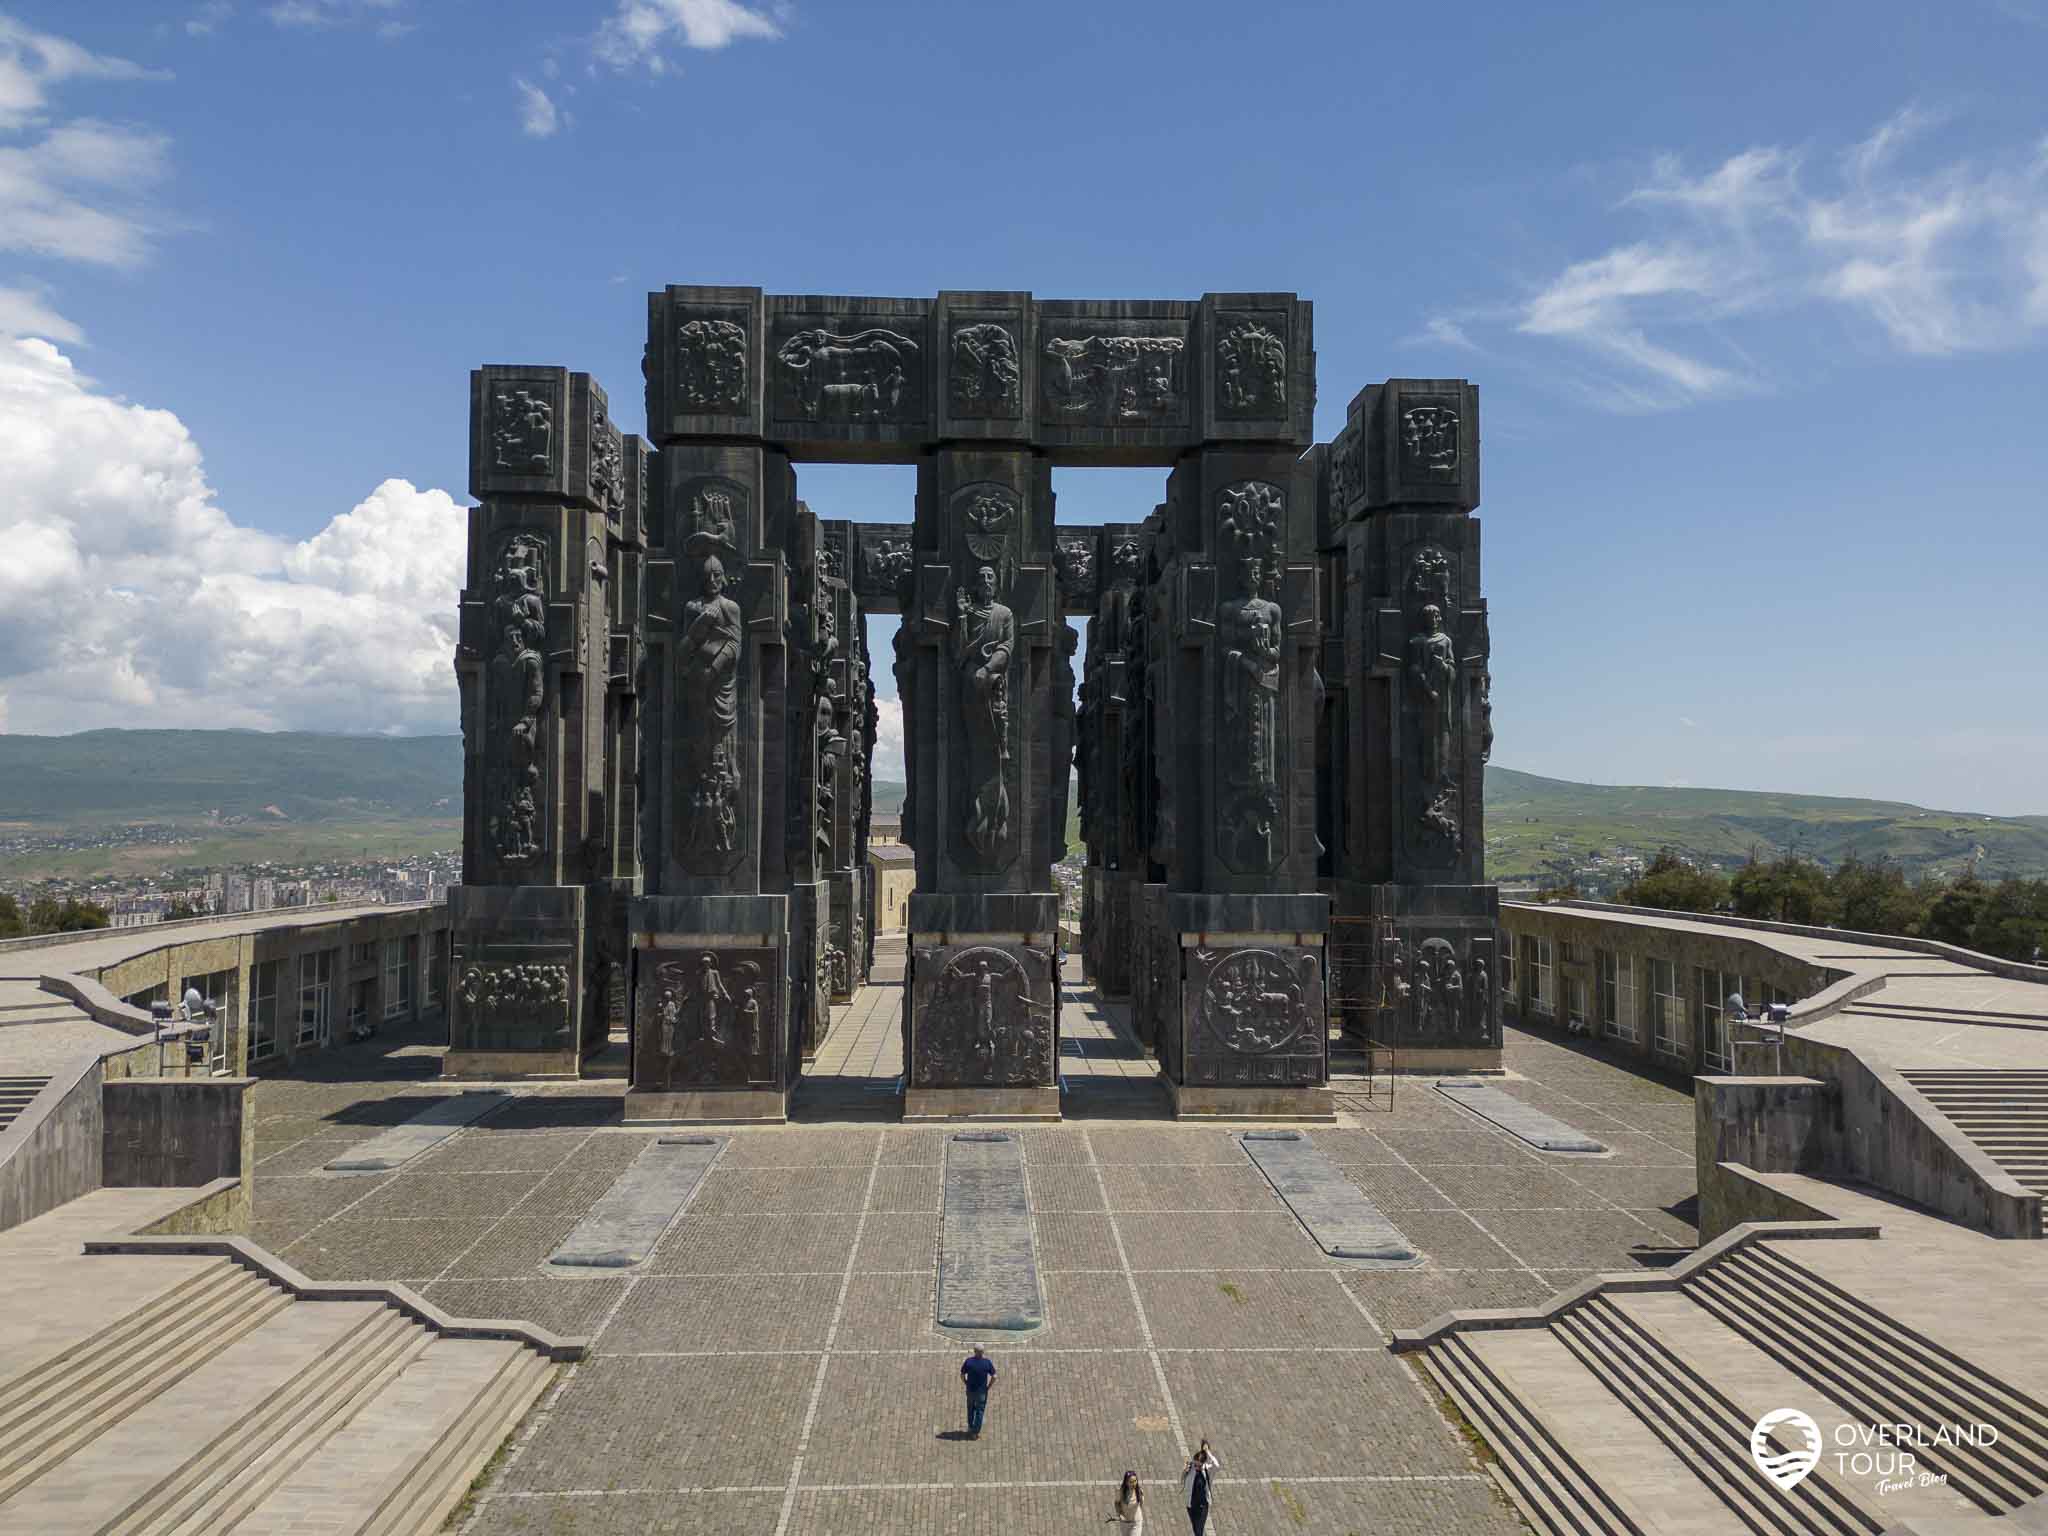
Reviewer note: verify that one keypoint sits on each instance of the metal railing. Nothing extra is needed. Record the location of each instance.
(1362, 987)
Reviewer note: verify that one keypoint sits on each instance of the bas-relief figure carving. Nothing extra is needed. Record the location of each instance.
(1248, 631)
(1112, 380)
(890, 563)
(1433, 670)
(867, 376)
(984, 638)
(1253, 1002)
(1346, 484)
(987, 379)
(707, 674)
(1124, 560)
(711, 358)
(981, 1024)
(516, 698)
(1486, 717)
(709, 1028)
(1479, 991)
(988, 515)
(1429, 442)
(497, 996)
(607, 463)
(522, 431)
(1063, 733)
(1074, 565)
(1251, 370)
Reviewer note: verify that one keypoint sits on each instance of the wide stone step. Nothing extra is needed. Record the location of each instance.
(369, 1464)
(173, 1439)
(438, 1484)
(1553, 1492)
(102, 1389)
(1880, 1371)
(1617, 1468)
(271, 1443)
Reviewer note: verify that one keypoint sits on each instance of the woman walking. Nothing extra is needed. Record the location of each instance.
(1194, 1483)
(1129, 1507)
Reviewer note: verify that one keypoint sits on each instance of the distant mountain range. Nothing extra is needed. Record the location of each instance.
(1536, 827)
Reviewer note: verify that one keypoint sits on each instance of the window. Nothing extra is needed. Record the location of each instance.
(433, 983)
(1542, 977)
(359, 995)
(316, 996)
(264, 978)
(1617, 985)
(1714, 987)
(1575, 1001)
(361, 954)
(1510, 992)
(160, 993)
(1667, 1011)
(398, 967)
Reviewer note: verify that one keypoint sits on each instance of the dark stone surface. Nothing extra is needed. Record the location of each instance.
(988, 1262)
(1344, 1223)
(1252, 1016)
(981, 1015)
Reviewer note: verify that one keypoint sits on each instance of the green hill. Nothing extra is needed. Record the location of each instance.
(390, 794)
(1538, 828)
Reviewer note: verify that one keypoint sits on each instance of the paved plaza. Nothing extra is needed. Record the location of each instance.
(774, 1366)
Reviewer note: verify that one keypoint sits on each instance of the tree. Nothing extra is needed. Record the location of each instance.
(1877, 897)
(1952, 914)
(47, 915)
(1786, 890)
(11, 924)
(2013, 920)
(1676, 885)
(181, 908)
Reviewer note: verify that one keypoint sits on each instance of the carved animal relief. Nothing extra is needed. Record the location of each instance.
(871, 375)
(1255, 1003)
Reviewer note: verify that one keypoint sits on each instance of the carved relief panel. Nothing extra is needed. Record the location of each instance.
(705, 661)
(706, 1018)
(513, 1004)
(983, 1017)
(1251, 744)
(831, 371)
(1251, 364)
(1255, 1016)
(1444, 994)
(983, 651)
(1112, 373)
(515, 752)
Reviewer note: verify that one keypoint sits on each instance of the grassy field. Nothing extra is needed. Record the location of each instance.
(298, 845)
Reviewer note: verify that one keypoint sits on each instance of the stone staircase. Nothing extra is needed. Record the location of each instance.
(16, 1094)
(2004, 1112)
(1626, 1408)
(225, 1405)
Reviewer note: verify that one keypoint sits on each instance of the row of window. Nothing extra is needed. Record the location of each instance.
(312, 978)
(1620, 1000)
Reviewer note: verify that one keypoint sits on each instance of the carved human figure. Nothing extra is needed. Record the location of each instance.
(1480, 992)
(984, 1015)
(751, 1029)
(1453, 994)
(1249, 627)
(1433, 669)
(707, 663)
(1425, 990)
(984, 635)
(669, 1010)
(1486, 717)
(713, 1005)
(518, 693)
(1063, 733)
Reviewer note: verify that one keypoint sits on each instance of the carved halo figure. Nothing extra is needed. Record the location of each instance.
(707, 662)
(984, 636)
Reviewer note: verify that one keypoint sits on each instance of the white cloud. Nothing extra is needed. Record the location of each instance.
(208, 17)
(130, 597)
(537, 115)
(23, 313)
(1933, 259)
(639, 29)
(888, 759)
(31, 61)
(334, 13)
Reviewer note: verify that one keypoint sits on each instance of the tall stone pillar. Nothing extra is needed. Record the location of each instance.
(1115, 856)
(1232, 655)
(982, 1023)
(845, 850)
(613, 889)
(721, 981)
(1403, 479)
(554, 479)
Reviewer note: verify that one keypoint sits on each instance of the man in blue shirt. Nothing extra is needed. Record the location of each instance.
(977, 1370)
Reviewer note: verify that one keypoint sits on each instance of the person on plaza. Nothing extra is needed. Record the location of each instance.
(978, 1371)
(1129, 1507)
(1202, 1467)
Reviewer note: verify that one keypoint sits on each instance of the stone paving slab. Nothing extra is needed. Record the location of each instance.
(1344, 1223)
(1542, 1131)
(423, 1132)
(988, 1264)
(623, 1227)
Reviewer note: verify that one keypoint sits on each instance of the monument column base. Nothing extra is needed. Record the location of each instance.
(981, 1104)
(516, 993)
(713, 1039)
(1208, 1101)
(981, 1025)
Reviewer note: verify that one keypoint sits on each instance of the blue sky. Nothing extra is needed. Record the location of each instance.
(1755, 295)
